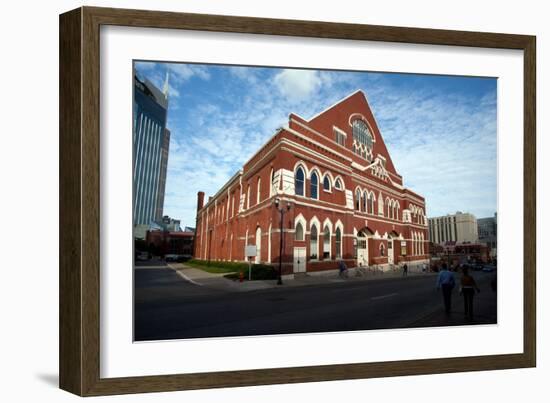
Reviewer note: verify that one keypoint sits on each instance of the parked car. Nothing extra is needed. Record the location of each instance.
(478, 266)
(183, 258)
(143, 256)
(171, 257)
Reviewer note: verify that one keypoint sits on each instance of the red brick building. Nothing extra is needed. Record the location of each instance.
(347, 200)
(170, 242)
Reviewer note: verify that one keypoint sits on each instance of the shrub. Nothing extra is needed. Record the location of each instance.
(259, 272)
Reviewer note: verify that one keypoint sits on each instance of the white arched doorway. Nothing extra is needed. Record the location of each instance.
(258, 245)
(362, 248)
(390, 250)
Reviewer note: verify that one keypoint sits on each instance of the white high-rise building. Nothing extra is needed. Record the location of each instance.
(459, 227)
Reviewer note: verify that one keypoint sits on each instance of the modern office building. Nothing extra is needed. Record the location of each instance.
(342, 197)
(151, 145)
(487, 233)
(459, 227)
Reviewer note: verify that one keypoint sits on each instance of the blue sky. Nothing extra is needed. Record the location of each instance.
(440, 130)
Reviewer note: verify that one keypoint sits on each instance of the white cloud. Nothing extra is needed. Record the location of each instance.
(444, 145)
(297, 84)
(184, 72)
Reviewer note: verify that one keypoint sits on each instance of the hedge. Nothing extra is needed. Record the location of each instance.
(259, 271)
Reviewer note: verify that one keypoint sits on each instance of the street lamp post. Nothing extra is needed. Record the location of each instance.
(281, 210)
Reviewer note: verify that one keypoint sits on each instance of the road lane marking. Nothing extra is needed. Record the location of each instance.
(150, 267)
(385, 296)
(186, 278)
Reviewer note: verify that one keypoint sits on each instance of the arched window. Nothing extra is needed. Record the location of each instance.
(371, 203)
(258, 244)
(258, 191)
(362, 139)
(326, 183)
(299, 232)
(364, 205)
(382, 250)
(338, 243)
(314, 186)
(357, 199)
(272, 188)
(313, 250)
(326, 242)
(338, 184)
(299, 181)
(380, 204)
(248, 197)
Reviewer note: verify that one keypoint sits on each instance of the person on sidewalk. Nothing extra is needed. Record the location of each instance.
(405, 270)
(446, 282)
(342, 269)
(468, 288)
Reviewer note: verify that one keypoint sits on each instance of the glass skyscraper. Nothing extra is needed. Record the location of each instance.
(151, 144)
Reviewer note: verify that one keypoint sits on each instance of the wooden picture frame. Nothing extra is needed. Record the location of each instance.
(79, 200)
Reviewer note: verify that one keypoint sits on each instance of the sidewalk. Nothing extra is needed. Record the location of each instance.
(219, 282)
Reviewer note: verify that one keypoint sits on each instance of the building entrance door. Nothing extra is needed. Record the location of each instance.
(362, 251)
(390, 250)
(300, 260)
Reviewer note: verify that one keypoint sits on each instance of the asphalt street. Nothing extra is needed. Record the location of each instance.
(168, 307)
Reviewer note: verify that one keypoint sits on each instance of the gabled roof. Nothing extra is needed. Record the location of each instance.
(356, 102)
(337, 103)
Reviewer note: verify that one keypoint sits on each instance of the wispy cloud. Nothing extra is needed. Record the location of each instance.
(441, 137)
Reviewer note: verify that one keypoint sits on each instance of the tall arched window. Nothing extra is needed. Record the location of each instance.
(357, 199)
(371, 203)
(364, 205)
(338, 243)
(362, 139)
(326, 183)
(272, 188)
(258, 244)
(382, 250)
(314, 186)
(258, 190)
(299, 232)
(313, 246)
(299, 182)
(326, 242)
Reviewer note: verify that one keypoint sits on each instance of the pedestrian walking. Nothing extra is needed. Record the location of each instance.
(468, 288)
(342, 269)
(405, 270)
(446, 283)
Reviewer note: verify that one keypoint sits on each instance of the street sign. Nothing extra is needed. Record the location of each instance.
(251, 251)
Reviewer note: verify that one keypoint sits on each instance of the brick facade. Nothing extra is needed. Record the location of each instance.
(360, 212)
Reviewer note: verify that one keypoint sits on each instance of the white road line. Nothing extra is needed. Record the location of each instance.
(180, 273)
(384, 296)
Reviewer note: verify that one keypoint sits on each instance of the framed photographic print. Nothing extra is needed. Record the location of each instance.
(248, 201)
